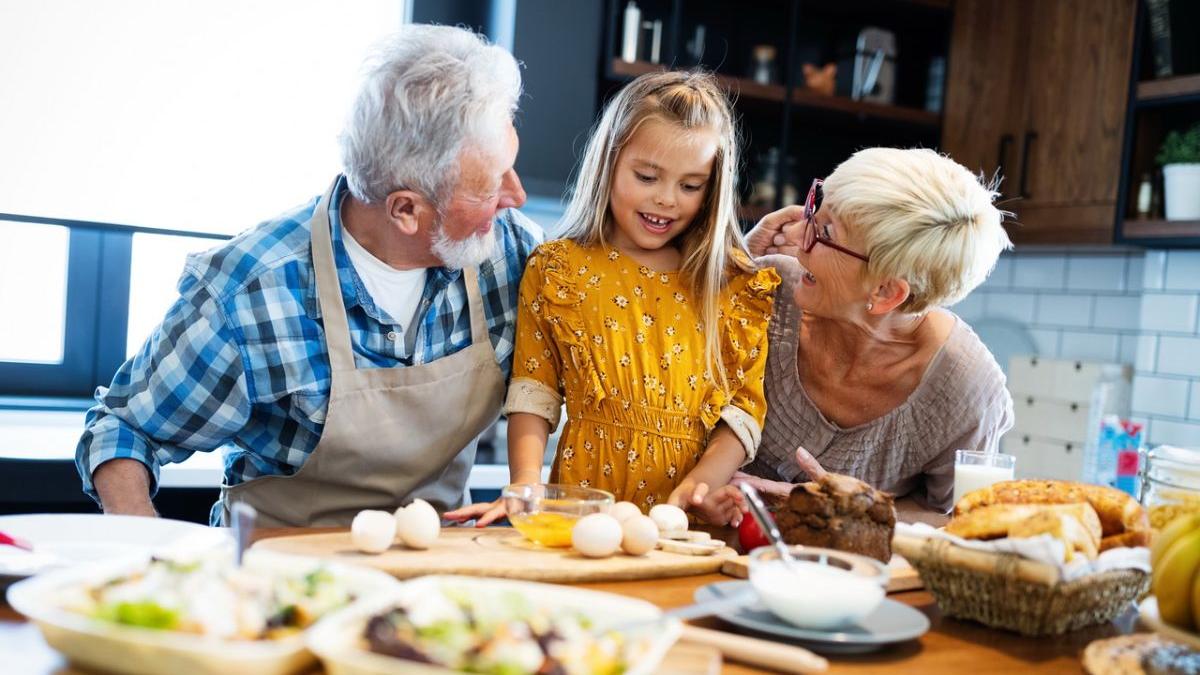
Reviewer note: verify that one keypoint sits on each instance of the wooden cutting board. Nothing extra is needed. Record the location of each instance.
(903, 576)
(498, 552)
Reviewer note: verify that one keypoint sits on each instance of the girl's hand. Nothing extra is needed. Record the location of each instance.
(771, 489)
(485, 512)
(723, 506)
(777, 232)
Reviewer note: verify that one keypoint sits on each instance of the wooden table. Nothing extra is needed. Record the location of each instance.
(951, 646)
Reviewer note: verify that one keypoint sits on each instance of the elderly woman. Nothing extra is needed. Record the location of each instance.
(868, 374)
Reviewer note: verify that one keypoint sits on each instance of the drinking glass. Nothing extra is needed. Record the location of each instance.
(975, 469)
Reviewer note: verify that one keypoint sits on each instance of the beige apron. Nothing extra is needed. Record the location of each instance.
(391, 434)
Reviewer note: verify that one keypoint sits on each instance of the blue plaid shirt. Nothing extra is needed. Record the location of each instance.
(240, 362)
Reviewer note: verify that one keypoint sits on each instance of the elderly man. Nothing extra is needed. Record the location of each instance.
(348, 353)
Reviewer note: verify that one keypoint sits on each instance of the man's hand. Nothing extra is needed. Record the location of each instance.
(124, 488)
(485, 513)
(777, 232)
(723, 506)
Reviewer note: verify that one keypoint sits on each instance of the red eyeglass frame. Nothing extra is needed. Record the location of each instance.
(811, 236)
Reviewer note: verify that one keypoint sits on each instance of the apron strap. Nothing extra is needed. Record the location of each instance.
(479, 331)
(329, 289)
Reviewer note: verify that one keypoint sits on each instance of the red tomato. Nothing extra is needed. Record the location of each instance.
(750, 535)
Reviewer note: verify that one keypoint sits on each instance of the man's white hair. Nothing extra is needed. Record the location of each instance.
(428, 92)
(923, 218)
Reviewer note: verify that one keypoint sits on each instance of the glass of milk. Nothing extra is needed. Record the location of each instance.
(974, 469)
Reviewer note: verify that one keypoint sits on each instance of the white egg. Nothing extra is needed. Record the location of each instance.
(623, 511)
(418, 524)
(373, 531)
(597, 535)
(669, 518)
(639, 535)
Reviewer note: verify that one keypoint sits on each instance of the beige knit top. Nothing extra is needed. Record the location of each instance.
(960, 403)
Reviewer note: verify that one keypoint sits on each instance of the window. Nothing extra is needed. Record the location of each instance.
(37, 258)
(124, 122)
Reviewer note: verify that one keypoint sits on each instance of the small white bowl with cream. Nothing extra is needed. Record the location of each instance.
(821, 589)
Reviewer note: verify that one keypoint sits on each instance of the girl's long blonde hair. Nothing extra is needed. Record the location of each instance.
(712, 247)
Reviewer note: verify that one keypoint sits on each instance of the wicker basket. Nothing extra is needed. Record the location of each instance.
(1007, 591)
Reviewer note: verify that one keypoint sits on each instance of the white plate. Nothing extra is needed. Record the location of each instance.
(336, 639)
(114, 648)
(1148, 611)
(63, 539)
(891, 622)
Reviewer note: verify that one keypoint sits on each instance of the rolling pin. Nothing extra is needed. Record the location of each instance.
(756, 652)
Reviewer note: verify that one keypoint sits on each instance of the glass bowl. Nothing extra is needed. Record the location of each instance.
(843, 590)
(546, 512)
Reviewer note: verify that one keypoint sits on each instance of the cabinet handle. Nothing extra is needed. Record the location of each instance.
(1070, 447)
(1030, 137)
(1006, 140)
(1074, 407)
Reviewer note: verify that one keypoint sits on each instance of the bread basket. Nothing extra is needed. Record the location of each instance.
(1010, 592)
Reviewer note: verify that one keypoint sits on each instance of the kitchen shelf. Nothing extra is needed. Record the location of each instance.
(1168, 88)
(744, 88)
(753, 214)
(1134, 229)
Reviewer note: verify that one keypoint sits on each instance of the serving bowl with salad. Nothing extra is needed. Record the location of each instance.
(201, 615)
(438, 624)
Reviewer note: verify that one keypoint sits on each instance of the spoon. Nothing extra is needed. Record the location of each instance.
(766, 523)
(243, 516)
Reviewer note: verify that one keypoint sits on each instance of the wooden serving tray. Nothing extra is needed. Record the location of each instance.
(903, 576)
(498, 552)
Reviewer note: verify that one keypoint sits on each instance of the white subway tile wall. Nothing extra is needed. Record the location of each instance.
(1183, 271)
(1169, 312)
(1141, 308)
(1160, 396)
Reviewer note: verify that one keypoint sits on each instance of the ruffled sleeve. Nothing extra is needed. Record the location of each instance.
(535, 387)
(551, 340)
(745, 317)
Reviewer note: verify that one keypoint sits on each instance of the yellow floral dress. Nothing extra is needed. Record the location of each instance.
(624, 344)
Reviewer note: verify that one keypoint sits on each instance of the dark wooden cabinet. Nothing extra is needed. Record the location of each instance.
(1158, 104)
(1037, 91)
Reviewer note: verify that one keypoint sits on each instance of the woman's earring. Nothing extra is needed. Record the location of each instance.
(870, 306)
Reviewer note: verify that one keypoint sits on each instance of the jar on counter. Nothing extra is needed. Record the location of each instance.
(1170, 484)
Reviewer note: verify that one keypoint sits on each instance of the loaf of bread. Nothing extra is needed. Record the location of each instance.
(839, 512)
(1123, 521)
(1075, 525)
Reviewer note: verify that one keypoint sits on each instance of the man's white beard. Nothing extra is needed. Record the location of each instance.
(469, 252)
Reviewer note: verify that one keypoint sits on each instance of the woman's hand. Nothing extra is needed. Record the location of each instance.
(809, 464)
(723, 506)
(777, 232)
(485, 513)
(781, 489)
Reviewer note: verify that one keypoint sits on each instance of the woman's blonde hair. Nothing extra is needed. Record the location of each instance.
(921, 217)
(712, 247)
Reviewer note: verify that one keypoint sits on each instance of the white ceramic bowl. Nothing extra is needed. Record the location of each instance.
(336, 640)
(818, 596)
(125, 649)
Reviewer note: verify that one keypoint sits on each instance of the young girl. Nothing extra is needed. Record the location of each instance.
(648, 317)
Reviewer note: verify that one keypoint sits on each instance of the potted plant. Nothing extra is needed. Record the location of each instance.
(1180, 159)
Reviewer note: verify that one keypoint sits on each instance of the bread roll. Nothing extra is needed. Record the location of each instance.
(1123, 522)
(1063, 526)
(1076, 525)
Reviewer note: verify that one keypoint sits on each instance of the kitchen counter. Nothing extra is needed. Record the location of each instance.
(951, 646)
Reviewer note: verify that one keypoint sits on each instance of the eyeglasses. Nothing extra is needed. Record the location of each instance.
(811, 236)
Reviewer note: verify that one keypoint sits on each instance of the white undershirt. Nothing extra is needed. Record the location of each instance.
(396, 292)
